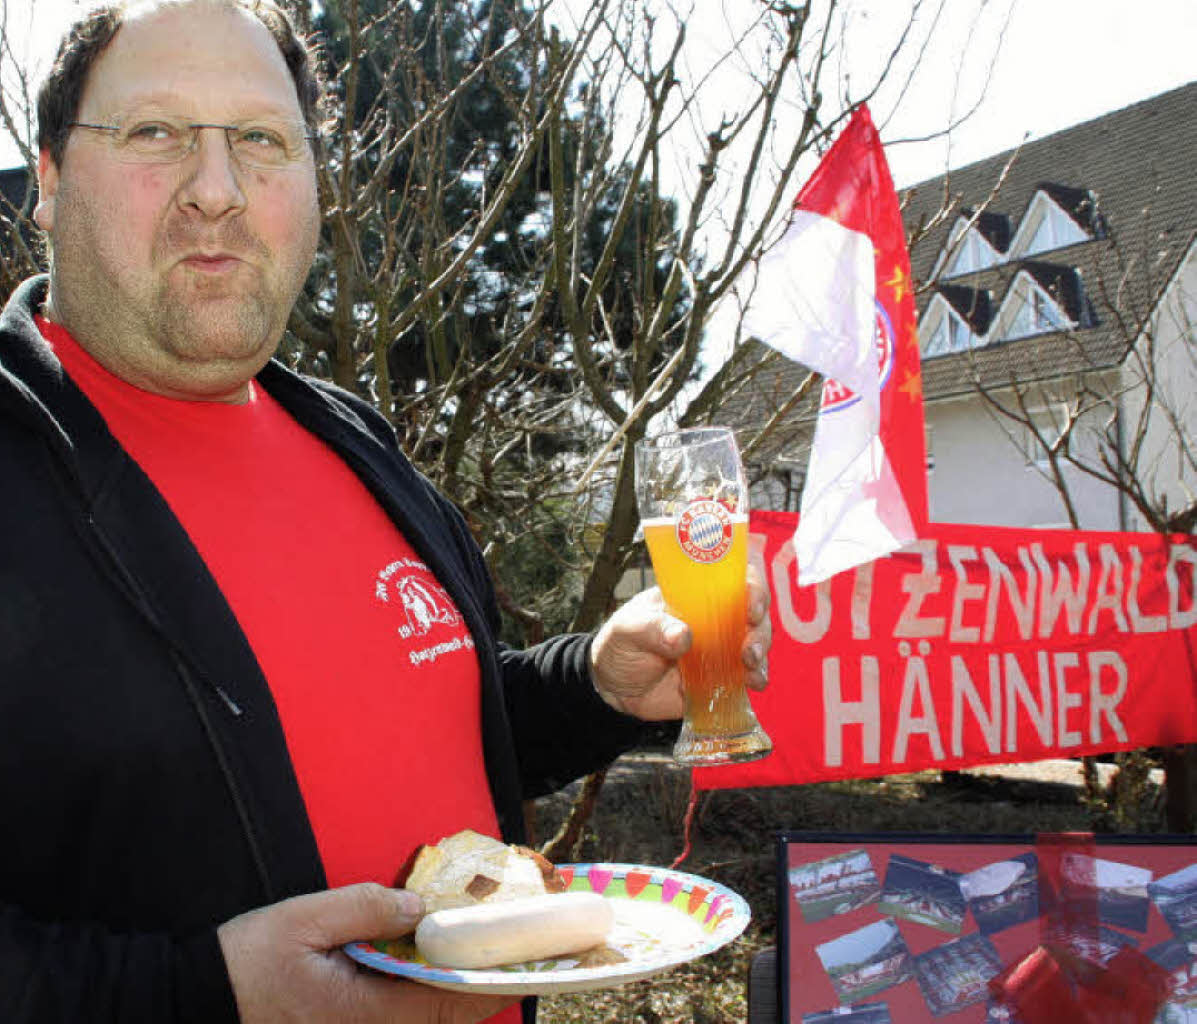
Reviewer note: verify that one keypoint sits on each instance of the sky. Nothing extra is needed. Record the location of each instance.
(1058, 63)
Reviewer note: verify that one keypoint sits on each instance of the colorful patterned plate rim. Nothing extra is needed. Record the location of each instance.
(718, 913)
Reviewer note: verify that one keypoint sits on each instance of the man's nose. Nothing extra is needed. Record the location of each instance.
(213, 178)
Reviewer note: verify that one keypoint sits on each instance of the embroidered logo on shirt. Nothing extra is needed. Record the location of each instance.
(409, 585)
(424, 602)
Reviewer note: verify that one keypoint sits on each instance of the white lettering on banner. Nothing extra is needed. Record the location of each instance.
(838, 712)
(1062, 595)
(989, 721)
(916, 681)
(803, 631)
(1179, 618)
(1109, 590)
(1040, 713)
(1021, 605)
(1102, 703)
(1065, 688)
(964, 592)
(1065, 699)
(919, 586)
(985, 691)
(1142, 623)
(1049, 596)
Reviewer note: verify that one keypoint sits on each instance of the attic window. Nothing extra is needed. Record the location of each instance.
(968, 250)
(1036, 313)
(951, 335)
(944, 330)
(1045, 227)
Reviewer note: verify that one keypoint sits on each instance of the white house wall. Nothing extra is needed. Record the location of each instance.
(1175, 358)
(981, 476)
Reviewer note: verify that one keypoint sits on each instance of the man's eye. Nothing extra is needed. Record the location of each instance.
(152, 133)
(258, 137)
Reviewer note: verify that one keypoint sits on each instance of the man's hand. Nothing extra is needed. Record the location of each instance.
(285, 962)
(634, 656)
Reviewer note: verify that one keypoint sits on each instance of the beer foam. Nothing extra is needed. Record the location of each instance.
(736, 517)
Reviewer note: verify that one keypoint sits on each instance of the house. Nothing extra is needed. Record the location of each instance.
(1057, 302)
(1069, 267)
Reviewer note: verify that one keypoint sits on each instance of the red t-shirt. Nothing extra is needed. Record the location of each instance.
(370, 664)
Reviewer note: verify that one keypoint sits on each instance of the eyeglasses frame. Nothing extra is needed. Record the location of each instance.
(195, 127)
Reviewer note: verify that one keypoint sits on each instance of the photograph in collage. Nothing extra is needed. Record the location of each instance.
(835, 885)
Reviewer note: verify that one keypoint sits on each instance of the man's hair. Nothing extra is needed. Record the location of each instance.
(59, 97)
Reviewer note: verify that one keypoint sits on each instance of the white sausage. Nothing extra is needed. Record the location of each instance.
(512, 931)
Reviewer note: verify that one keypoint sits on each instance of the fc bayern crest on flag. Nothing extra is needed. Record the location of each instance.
(835, 395)
(704, 530)
(835, 294)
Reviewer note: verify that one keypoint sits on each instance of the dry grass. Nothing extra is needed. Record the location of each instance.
(639, 821)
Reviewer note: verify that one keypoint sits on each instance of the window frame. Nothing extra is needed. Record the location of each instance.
(1044, 210)
(1048, 316)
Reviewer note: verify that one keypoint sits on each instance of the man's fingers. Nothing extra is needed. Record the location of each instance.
(759, 597)
(285, 962)
(644, 626)
(756, 660)
(411, 1001)
(355, 912)
(760, 629)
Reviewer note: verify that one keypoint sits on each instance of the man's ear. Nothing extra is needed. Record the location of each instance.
(47, 189)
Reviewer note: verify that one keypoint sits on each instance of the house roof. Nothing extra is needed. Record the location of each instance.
(1126, 178)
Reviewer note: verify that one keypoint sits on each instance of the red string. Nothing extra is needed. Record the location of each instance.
(687, 823)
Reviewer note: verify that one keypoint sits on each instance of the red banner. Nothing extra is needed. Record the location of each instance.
(977, 644)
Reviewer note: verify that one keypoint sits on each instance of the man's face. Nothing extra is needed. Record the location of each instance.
(180, 277)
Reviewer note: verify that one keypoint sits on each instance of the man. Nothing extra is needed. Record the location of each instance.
(222, 725)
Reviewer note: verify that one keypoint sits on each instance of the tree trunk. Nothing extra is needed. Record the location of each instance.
(612, 555)
(1180, 788)
(565, 844)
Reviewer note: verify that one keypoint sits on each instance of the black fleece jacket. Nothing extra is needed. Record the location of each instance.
(146, 793)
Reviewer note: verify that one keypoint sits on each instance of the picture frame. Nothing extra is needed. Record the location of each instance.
(891, 928)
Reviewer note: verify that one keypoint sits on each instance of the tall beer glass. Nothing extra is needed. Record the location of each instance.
(693, 502)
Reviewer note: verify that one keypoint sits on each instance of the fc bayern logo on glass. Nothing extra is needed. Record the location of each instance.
(704, 530)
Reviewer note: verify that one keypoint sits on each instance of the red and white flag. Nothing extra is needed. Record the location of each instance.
(835, 294)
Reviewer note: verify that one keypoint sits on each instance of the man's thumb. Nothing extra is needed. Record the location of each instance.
(675, 635)
(358, 912)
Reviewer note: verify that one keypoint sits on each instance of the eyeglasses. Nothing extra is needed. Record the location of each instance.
(265, 145)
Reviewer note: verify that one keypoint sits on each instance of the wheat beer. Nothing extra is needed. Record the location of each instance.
(699, 551)
(712, 600)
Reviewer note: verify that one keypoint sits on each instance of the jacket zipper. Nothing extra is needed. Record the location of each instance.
(111, 562)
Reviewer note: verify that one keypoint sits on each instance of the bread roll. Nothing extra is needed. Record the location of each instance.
(468, 868)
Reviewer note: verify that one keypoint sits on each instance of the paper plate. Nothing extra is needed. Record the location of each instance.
(662, 918)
